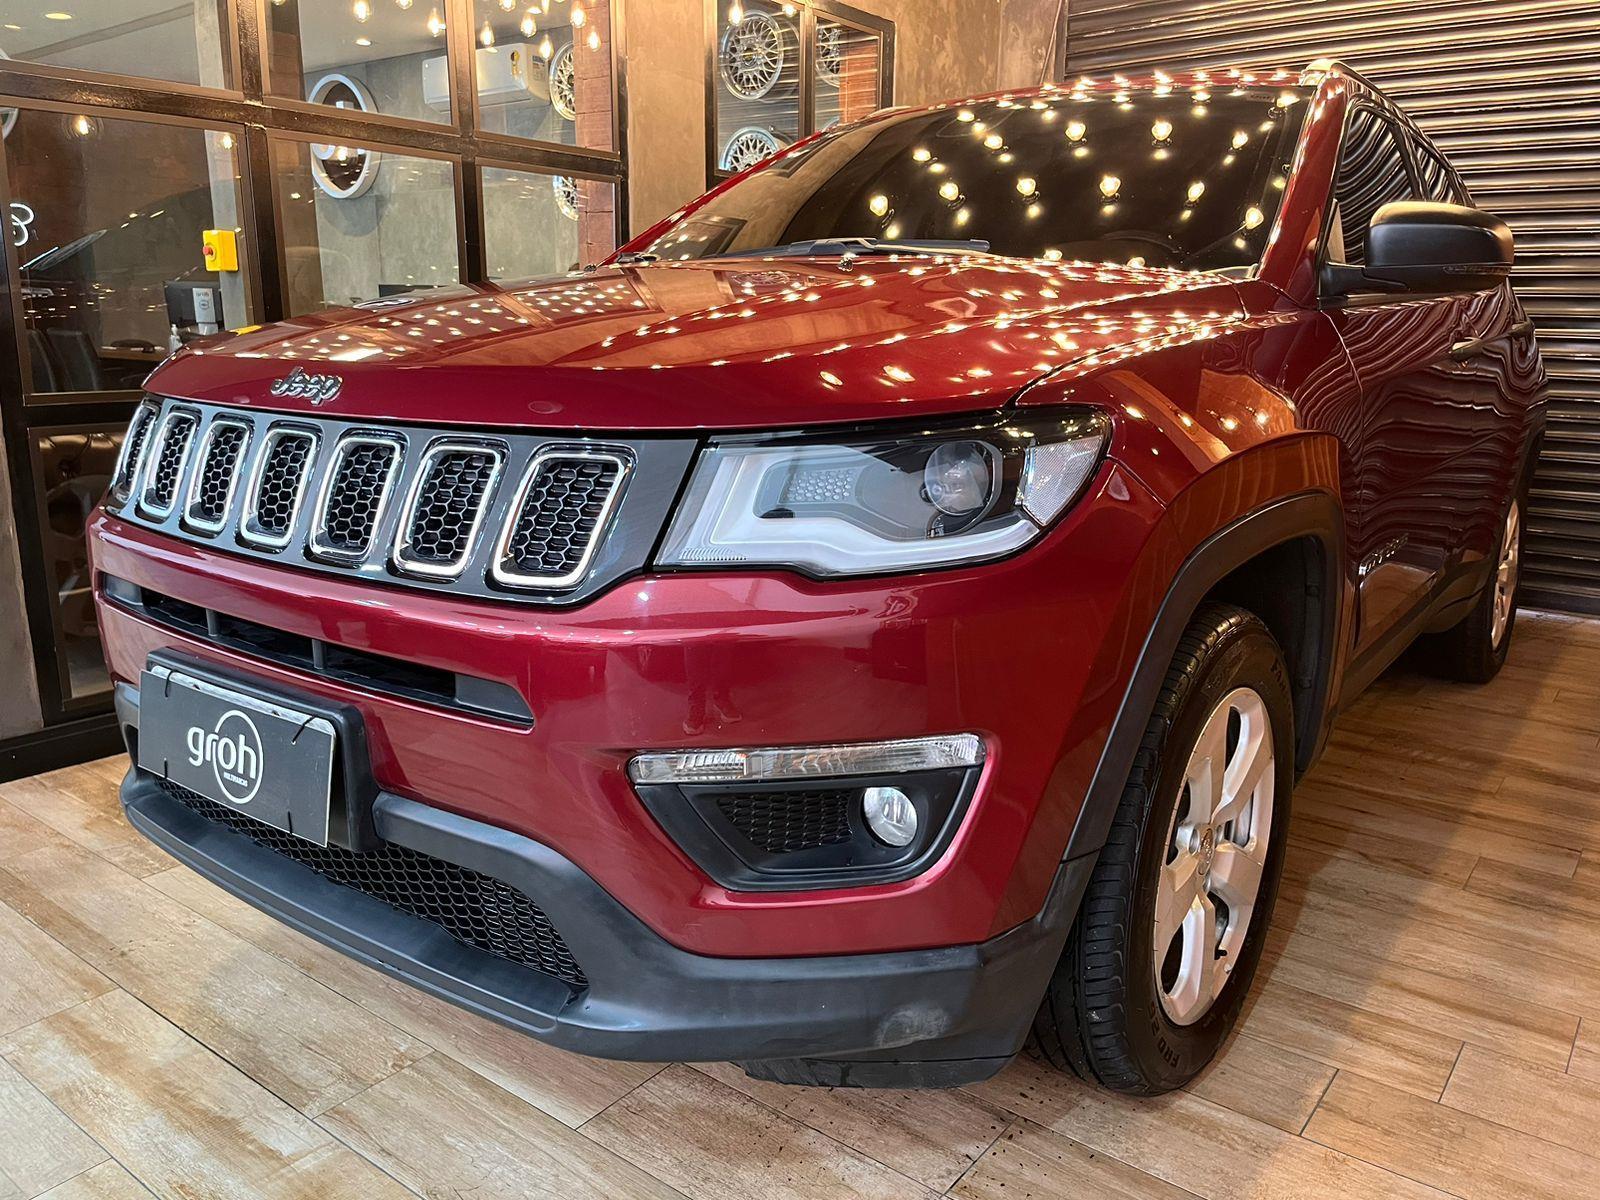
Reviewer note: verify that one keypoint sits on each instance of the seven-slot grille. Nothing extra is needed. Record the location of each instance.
(404, 504)
(166, 461)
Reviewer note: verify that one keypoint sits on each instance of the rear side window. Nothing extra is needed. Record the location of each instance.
(1439, 182)
(1372, 173)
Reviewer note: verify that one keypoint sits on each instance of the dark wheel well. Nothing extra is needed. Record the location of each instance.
(1291, 589)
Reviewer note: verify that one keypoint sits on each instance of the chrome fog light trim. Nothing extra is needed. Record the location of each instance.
(809, 762)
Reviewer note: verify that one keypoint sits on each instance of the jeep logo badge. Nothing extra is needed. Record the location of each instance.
(233, 750)
(300, 384)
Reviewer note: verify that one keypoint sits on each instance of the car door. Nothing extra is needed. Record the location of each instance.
(1420, 399)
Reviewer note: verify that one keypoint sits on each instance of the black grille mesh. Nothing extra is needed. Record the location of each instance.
(472, 907)
(138, 433)
(559, 516)
(287, 460)
(217, 473)
(448, 505)
(356, 495)
(786, 822)
(163, 482)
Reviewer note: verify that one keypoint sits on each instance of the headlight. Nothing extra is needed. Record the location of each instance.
(885, 502)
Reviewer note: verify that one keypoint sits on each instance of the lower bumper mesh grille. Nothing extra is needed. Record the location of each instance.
(472, 907)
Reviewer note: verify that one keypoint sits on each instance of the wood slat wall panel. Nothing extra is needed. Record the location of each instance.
(1509, 90)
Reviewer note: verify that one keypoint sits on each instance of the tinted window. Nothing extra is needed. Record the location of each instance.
(1372, 173)
(1176, 180)
(1438, 181)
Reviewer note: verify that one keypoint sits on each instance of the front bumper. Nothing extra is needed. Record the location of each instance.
(1031, 654)
(919, 1017)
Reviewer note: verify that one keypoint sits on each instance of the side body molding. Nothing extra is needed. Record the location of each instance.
(1313, 515)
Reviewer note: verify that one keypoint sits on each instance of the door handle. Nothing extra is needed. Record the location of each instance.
(1472, 347)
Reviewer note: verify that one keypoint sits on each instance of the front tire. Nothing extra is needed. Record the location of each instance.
(1176, 911)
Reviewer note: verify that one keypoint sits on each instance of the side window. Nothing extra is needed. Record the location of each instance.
(1372, 173)
(1438, 181)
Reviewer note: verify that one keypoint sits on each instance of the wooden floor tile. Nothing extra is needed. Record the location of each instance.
(714, 1143)
(1269, 1083)
(40, 1147)
(1177, 1137)
(303, 1041)
(1549, 1104)
(38, 975)
(1459, 1153)
(1032, 1163)
(108, 1181)
(931, 1135)
(570, 1087)
(91, 816)
(497, 1147)
(181, 1119)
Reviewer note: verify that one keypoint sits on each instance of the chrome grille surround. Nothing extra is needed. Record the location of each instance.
(369, 497)
(286, 472)
(620, 489)
(416, 551)
(223, 449)
(165, 460)
(131, 456)
(581, 531)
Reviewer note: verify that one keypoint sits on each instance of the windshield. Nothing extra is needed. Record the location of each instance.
(1190, 179)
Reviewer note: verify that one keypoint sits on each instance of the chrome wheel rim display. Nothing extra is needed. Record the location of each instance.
(830, 53)
(1215, 856)
(564, 83)
(1505, 576)
(566, 192)
(752, 56)
(747, 147)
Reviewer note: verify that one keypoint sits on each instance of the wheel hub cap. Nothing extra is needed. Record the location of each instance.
(1216, 852)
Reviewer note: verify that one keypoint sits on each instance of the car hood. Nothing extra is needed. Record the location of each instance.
(711, 344)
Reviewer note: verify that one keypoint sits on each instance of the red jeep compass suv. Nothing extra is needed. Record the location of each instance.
(882, 611)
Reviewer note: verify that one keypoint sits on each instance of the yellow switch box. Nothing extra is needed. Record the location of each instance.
(221, 249)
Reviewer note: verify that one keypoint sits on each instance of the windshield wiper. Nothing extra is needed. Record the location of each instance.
(636, 256)
(828, 247)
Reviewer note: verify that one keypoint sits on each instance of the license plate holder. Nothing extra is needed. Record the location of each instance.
(255, 754)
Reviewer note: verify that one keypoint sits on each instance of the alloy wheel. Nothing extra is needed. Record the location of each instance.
(1216, 853)
(1505, 576)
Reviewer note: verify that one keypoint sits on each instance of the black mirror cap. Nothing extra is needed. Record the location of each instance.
(1422, 246)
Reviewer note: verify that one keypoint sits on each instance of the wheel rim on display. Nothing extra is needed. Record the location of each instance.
(1215, 856)
(830, 53)
(747, 147)
(564, 83)
(1505, 576)
(752, 56)
(566, 192)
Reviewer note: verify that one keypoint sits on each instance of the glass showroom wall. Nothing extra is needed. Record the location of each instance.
(172, 171)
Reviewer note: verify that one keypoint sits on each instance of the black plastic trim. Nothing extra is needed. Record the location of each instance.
(1313, 514)
(690, 816)
(965, 1008)
(343, 664)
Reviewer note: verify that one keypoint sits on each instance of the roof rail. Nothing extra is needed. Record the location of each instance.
(1328, 66)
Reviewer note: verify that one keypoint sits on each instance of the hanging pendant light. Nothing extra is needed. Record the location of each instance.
(435, 23)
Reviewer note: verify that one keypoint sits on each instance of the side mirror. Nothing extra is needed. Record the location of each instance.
(1420, 246)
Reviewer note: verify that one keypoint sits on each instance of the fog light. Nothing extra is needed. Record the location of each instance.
(890, 815)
